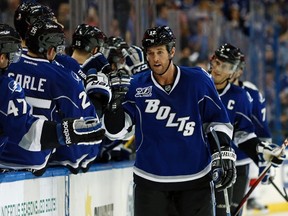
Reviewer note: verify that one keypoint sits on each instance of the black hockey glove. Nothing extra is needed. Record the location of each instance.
(119, 82)
(85, 131)
(224, 170)
(134, 57)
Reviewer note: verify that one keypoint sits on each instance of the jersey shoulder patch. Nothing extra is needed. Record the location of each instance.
(14, 86)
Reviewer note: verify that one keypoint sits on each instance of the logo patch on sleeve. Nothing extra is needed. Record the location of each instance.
(14, 86)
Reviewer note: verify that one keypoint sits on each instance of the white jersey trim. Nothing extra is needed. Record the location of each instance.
(171, 179)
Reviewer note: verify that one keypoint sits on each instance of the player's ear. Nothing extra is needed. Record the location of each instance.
(172, 52)
(51, 53)
(2, 57)
(95, 50)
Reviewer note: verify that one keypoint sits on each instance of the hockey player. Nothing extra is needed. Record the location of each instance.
(26, 13)
(259, 119)
(87, 41)
(53, 91)
(121, 55)
(237, 101)
(18, 127)
(173, 109)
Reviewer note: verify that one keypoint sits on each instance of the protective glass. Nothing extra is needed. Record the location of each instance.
(60, 49)
(14, 57)
(223, 66)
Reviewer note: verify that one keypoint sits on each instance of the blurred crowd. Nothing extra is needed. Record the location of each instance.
(203, 25)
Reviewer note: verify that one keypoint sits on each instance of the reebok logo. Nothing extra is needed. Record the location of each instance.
(66, 133)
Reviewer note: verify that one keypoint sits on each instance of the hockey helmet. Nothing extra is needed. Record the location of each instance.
(87, 37)
(115, 46)
(10, 43)
(26, 13)
(43, 34)
(228, 53)
(156, 36)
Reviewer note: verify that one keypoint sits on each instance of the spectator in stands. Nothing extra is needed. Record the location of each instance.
(121, 14)
(162, 12)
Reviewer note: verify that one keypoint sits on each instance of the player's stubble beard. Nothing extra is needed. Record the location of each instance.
(161, 74)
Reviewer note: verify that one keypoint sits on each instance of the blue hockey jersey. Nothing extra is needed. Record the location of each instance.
(17, 127)
(259, 114)
(54, 93)
(171, 128)
(239, 107)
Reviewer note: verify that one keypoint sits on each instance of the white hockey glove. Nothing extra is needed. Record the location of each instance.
(224, 171)
(97, 83)
(119, 82)
(97, 61)
(269, 152)
(134, 57)
(86, 131)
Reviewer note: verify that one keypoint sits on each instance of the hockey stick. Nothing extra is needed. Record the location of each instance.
(258, 180)
(226, 197)
(284, 195)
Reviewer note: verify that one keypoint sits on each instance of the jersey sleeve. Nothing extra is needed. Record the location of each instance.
(17, 125)
(259, 116)
(212, 110)
(244, 128)
(70, 96)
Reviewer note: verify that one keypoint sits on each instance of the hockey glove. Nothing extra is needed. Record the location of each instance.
(97, 61)
(271, 153)
(224, 170)
(134, 59)
(119, 82)
(98, 84)
(262, 164)
(85, 131)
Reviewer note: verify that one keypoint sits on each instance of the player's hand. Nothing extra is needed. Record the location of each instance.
(270, 174)
(119, 82)
(84, 131)
(134, 57)
(98, 62)
(97, 83)
(270, 152)
(224, 175)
